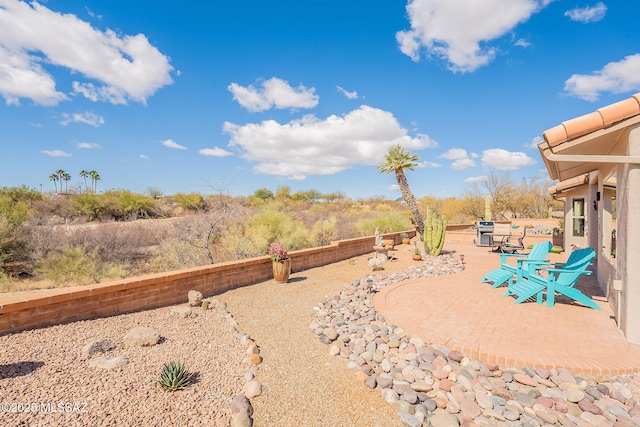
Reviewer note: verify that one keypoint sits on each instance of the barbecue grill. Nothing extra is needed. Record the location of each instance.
(485, 228)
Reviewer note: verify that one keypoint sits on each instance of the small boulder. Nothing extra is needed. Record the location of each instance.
(109, 362)
(252, 389)
(195, 298)
(241, 419)
(96, 347)
(181, 311)
(241, 403)
(141, 336)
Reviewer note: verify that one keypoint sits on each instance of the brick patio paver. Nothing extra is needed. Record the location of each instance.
(461, 313)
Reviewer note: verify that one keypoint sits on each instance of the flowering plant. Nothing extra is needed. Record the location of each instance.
(277, 252)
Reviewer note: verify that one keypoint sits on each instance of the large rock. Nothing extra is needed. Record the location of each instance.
(141, 336)
(96, 347)
(241, 403)
(444, 420)
(252, 389)
(109, 362)
(195, 298)
(182, 311)
(241, 419)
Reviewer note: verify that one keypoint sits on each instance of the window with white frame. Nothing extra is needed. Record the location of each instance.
(578, 217)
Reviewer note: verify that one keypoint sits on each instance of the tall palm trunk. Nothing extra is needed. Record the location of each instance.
(410, 200)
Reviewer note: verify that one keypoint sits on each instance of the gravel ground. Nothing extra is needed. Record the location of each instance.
(302, 384)
(45, 366)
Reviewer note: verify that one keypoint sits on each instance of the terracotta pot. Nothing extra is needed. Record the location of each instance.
(406, 241)
(281, 270)
(417, 257)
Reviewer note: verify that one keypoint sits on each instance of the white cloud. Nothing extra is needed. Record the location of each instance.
(533, 144)
(89, 145)
(313, 146)
(522, 43)
(393, 187)
(274, 93)
(86, 118)
(460, 158)
(587, 14)
(144, 156)
(459, 31)
(170, 143)
(56, 153)
(22, 78)
(615, 77)
(481, 178)
(350, 95)
(428, 164)
(461, 164)
(215, 152)
(506, 160)
(454, 154)
(120, 67)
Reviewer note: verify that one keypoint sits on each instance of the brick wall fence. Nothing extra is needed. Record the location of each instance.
(54, 306)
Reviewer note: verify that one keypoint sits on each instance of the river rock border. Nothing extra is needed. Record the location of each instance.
(432, 385)
(241, 408)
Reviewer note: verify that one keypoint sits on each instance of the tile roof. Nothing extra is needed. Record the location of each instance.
(575, 182)
(599, 119)
(591, 142)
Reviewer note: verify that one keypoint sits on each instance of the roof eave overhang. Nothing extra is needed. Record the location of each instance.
(587, 153)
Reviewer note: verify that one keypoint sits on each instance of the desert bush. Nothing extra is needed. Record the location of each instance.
(123, 205)
(176, 254)
(75, 265)
(89, 205)
(13, 213)
(324, 231)
(190, 202)
(386, 222)
(274, 223)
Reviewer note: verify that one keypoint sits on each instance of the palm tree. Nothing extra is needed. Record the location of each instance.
(398, 160)
(84, 174)
(54, 177)
(66, 178)
(95, 177)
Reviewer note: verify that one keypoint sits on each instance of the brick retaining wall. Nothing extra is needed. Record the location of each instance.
(61, 305)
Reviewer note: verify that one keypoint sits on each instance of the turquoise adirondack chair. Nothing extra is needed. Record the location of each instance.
(561, 280)
(506, 271)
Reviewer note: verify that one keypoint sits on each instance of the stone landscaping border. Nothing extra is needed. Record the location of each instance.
(436, 386)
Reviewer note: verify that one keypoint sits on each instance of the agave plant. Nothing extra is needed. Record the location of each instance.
(174, 376)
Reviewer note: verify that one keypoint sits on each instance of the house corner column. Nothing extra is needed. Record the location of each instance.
(628, 267)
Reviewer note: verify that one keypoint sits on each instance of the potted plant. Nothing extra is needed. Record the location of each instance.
(405, 238)
(417, 255)
(558, 235)
(280, 261)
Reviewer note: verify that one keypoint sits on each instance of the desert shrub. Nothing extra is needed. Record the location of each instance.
(123, 205)
(89, 205)
(75, 265)
(176, 254)
(324, 231)
(190, 202)
(273, 223)
(386, 222)
(115, 242)
(13, 213)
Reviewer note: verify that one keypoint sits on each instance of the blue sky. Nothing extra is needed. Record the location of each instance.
(249, 94)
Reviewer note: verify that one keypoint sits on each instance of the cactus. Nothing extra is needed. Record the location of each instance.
(174, 376)
(435, 228)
